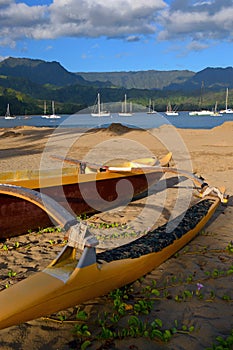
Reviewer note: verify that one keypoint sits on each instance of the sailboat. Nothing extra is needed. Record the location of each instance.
(151, 109)
(45, 111)
(227, 110)
(124, 112)
(216, 112)
(201, 112)
(8, 114)
(98, 109)
(50, 116)
(26, 116)
(170, 111)
(54, 115)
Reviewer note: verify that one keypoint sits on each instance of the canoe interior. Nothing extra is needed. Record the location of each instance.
(102, 193)
(77, 191)
(161, 237)
(67, 282)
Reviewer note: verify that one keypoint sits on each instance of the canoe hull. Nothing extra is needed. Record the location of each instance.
(98, 193)
(67, 284)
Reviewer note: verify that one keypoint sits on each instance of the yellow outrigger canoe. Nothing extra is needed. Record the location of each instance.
(83, 189)
(72, 279)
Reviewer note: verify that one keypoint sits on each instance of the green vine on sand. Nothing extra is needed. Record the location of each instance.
(223, 344)
(128, 316)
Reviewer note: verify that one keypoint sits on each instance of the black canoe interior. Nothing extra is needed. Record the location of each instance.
(161, 237)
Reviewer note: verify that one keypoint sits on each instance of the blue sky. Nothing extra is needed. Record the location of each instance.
(119, 35)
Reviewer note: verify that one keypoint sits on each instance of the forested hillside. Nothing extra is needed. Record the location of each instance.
(27, 83)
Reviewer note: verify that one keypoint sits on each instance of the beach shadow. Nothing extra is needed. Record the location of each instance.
(31, 137)
(161, 186)
(19, 151)
(220, 210)
(173, 183)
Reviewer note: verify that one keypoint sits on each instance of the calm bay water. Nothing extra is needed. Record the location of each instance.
(138, 120)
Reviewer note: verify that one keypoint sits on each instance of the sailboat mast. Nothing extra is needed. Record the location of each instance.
(8, 110)
(131, 107)
(149, 106)
(227, 99)
(125, 104)
(98, 103)
(202, 92)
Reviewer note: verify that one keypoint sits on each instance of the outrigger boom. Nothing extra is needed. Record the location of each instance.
(68, 280)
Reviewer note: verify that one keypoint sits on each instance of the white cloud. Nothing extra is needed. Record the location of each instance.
(131, 20)
(202, 21)
(133, 38)
(197, 46)
(2, 58)
(85, 18)
(94, 18)
(4, 3)
(49, 47)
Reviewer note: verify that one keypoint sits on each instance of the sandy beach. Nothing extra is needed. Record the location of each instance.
(193, 288)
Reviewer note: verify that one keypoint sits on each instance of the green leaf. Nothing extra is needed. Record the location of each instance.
(156, 333)
(167, 335)
(155, 292)
(85, 344)
(159, 322)
(133, 321)
(81, 315)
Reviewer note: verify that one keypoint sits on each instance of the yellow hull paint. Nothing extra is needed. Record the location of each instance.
(63, 284)
(35, 179)
(77, 191)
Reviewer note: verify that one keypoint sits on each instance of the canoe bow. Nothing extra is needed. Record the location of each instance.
(68, 281)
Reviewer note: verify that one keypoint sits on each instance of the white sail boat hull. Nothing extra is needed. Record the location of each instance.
(8, 114)
(201, 113)
(227, 110)
(45, 111)
(170, 111)
(151, 109)
(124, 112)
(53, 115)
(99, 112)
(50, 116)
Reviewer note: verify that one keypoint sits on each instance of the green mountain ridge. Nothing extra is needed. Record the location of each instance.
(150, 79)
(26, 83)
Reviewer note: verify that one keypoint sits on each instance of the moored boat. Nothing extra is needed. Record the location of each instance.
(151, 108)
(70, 280)
(124, 110)
(227, 110)
(170, 111)
(216, 112)
(85, 189)
(45, 115)
(202, 112)
(50, 116)
(98, 110)
(8, 114)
